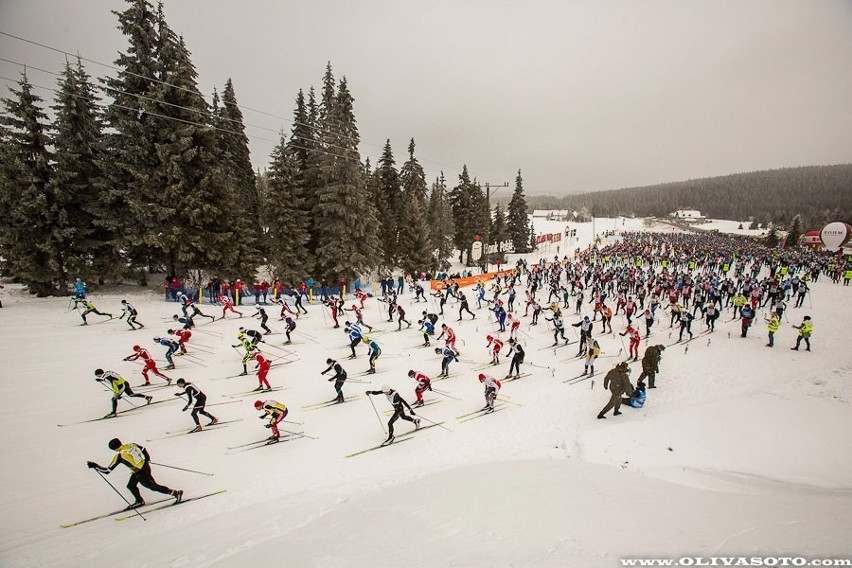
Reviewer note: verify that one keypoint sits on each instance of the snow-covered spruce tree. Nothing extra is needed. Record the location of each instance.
(441, 227)
(414, 239)
(302, 141)
(32, 232)
(129, 157)
(284, 219)
(196, 212)
(84, 242)
(389, 206)
(470, 214)
(518, 222)
(348, 237)
(499, 232)
(235, 162)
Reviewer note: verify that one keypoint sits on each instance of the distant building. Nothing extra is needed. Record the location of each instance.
(689, 215)
(553, 214)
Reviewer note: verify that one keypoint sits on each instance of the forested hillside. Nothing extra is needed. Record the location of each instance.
(818, 193)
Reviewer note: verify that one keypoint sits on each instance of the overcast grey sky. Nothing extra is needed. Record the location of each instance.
(582, 96)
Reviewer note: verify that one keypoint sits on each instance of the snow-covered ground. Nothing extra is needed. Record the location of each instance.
(731, 227)
(741, 450)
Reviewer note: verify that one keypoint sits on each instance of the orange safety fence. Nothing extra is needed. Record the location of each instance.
(469, 280)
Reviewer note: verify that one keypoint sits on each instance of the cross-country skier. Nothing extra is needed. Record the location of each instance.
(262, 368)
(355, 336)
(89, 309)
(228, 306)
(558, 329)
(399, 405)
(401, 317)
(448, 357)
(251, 334)
(276, 412)
(188, 304)
(592, 352)
(186, 321)
(191, 391)
(129, 311)
(747, 315)
(451, 336)
(149, 364)
(119, 387)
(517, 359)
(496, 345)
(359, 317)
(373, 352)
(418, 292)
(171, 348)
(291, 327)
(464, 307)
(514, 326)
(685, 324)
(137, 459)
(332, 306)
(183, 336)
(492, 387)
(261, 315)
(339, 378)
(585, 326)
(428, 329)
(633, 350)
(424, 383)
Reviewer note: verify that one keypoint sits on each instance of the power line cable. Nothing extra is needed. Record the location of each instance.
(113, 67)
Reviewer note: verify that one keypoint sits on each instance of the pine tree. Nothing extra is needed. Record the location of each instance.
(532, 237)
(499, 231)
(192, 216)
(77, 144)
(518, 221)
(348, 241)
(283, 217)
(130, 163)
(300, 147)
(772, 238)
(414, 239)
(389, 205)
(470, 214)
(441, 227)
(234, 159)
(795, 232)
(32, 232)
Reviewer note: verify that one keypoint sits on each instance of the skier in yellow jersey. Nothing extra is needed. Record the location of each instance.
(276, 412)
(137, 459)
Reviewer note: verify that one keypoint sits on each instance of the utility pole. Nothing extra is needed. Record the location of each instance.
(488, 187)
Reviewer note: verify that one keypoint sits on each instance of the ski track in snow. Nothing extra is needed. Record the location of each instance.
(741, 449)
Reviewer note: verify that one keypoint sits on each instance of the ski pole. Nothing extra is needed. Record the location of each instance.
(181, 469)
(300, 434)
(445, 393)
(377, 414)
(119, 494)
(433, 422)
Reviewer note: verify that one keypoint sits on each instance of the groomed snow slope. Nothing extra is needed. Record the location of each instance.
(741, 449)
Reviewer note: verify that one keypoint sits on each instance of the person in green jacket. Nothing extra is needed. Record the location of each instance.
(772, 326)
(805, 331)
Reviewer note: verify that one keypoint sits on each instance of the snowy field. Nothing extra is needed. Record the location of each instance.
(740, 450)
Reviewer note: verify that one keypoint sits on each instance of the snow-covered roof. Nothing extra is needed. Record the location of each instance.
(690, 213)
